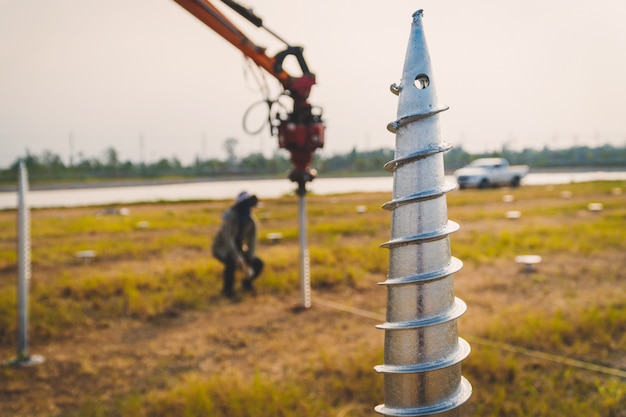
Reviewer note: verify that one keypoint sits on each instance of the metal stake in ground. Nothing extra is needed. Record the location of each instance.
(23, 278)
(305, 274)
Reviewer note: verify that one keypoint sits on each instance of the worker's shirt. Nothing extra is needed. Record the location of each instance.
(236, 237)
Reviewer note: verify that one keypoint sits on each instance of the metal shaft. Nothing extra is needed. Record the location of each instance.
(23, 278)
(423, 353)
(305, 274)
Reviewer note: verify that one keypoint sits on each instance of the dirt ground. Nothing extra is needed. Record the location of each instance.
(251, 333)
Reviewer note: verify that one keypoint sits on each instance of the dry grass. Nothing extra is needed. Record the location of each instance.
(141, 330)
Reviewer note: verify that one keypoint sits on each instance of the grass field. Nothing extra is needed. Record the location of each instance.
(141, 329)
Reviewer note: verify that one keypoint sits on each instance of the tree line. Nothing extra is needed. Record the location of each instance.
(49, 167)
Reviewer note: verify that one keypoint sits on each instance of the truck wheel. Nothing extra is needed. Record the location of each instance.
(484, 183)
(515, 182)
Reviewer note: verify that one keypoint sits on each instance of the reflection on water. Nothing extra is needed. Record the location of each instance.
(217, 190)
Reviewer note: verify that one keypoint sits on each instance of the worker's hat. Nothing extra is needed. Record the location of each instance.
(243, 197)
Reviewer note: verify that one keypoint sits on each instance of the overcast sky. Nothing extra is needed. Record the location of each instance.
(148, 79)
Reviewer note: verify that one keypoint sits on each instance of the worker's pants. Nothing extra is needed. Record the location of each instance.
(230, 265)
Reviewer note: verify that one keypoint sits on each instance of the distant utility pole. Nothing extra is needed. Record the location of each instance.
(71, 138)
(230, 145)
(141, 149)
(203, 148)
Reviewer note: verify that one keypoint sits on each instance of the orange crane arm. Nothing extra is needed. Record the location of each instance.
(301, 132)
(207, 13)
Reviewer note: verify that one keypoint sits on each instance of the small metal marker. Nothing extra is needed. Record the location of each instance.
(143, 225)
(513, 214)
(86, 255)
(528, 261)
(274, 237)
(595, 207)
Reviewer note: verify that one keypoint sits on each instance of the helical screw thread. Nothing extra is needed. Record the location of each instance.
(423, 353)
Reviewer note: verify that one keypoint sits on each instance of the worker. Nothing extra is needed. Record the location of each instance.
(235, 243)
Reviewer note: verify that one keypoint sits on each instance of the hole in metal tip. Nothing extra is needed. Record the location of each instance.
(421, 81)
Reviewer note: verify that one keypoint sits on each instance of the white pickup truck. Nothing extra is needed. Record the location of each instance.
(490, 172)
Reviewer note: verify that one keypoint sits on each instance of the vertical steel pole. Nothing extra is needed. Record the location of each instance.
(23, 273)
(423, 353)
(305, 277)
(23, 267)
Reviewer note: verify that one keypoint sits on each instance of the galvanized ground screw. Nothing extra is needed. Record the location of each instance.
(423, 353)
(23, 358)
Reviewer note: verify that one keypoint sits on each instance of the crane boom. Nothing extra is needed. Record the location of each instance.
(301, 132)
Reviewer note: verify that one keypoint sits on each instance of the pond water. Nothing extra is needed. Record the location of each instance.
(214, 190)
